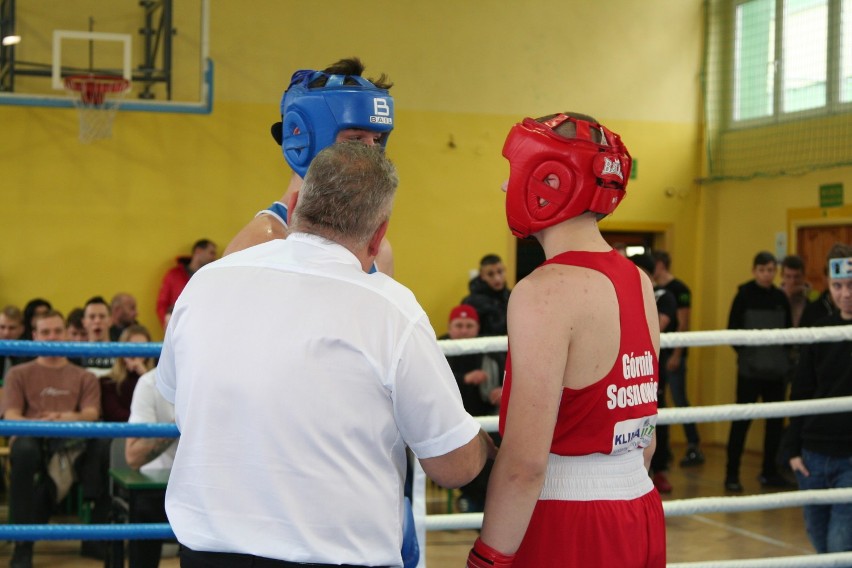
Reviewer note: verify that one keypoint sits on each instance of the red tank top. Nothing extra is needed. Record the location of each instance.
(619, 412)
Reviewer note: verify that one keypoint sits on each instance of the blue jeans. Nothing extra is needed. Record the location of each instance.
(829, 526)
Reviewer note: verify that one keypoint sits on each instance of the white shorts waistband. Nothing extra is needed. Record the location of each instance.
(596, 477)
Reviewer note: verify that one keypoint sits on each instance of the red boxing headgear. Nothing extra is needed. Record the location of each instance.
(592, 176)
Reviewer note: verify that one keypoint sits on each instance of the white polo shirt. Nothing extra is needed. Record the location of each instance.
(298, 380)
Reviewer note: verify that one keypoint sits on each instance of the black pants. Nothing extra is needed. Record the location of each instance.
(31, 491)
(750, 390)
(193, 559)
(663, 452)
(147, 509)
(32, 494)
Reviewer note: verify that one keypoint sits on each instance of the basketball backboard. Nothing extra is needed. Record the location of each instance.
(161, 46)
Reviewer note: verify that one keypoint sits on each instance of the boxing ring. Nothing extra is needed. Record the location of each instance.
(443, 522)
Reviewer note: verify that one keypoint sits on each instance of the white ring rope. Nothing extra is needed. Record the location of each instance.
(833, 559)
(730, 412)
(785, 500)
(683, 339)
(685, 507)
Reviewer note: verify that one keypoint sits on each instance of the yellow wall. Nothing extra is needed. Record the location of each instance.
(110, 216)
(83, 220)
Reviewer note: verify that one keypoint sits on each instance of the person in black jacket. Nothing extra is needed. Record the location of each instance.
(489, 295)
(824, 305)
(761, 369)
(820, 446)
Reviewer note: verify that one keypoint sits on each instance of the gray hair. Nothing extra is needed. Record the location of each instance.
(348, 192)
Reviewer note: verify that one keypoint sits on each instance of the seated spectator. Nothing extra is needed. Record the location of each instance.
(34, 307)
(117, 386)
(203, 252)
(96, 318)
(53, 389)
(479, 378)
(11, 328)
(74, 327)
(148, 454)
(123, 311)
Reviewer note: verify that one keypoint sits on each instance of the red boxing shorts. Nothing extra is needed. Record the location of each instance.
(607, 526)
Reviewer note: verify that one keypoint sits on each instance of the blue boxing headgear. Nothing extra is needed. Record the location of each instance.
(313, 117)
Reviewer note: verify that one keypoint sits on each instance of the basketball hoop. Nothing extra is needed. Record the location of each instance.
(96, 98)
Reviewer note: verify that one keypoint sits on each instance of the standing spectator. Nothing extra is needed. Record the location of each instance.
(75, 331)
(571, 479)
(821, 444)
(53, 389)
(793, 285)
(203, 253)
(489, 295)
(761, 370)
(378, 382)
(35, 307)
(675, 366)
(667, 310)
(123, 310)
(96, 318)
(823, 306)
(478, 377)
(11, 328)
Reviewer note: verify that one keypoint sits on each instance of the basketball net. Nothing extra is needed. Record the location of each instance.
(96, 98)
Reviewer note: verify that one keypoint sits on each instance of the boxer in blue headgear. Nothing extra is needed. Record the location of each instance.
(318, 109)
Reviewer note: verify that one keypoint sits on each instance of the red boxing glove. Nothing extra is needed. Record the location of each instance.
(483, 556)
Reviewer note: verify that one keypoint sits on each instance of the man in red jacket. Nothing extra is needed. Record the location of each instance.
(203, 252)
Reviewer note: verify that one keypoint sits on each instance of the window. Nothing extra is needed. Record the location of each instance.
(785, 60)
(804, 53)
(754, 59)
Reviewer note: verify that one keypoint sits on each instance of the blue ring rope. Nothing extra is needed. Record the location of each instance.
(136, 531)
(78, 349)
(87, 429)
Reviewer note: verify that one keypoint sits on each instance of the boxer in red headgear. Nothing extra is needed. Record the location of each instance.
(570, 486)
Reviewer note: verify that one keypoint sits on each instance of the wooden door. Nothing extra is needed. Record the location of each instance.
(813, 244)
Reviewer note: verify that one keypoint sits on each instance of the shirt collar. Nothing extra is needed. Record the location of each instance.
(337, 250)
